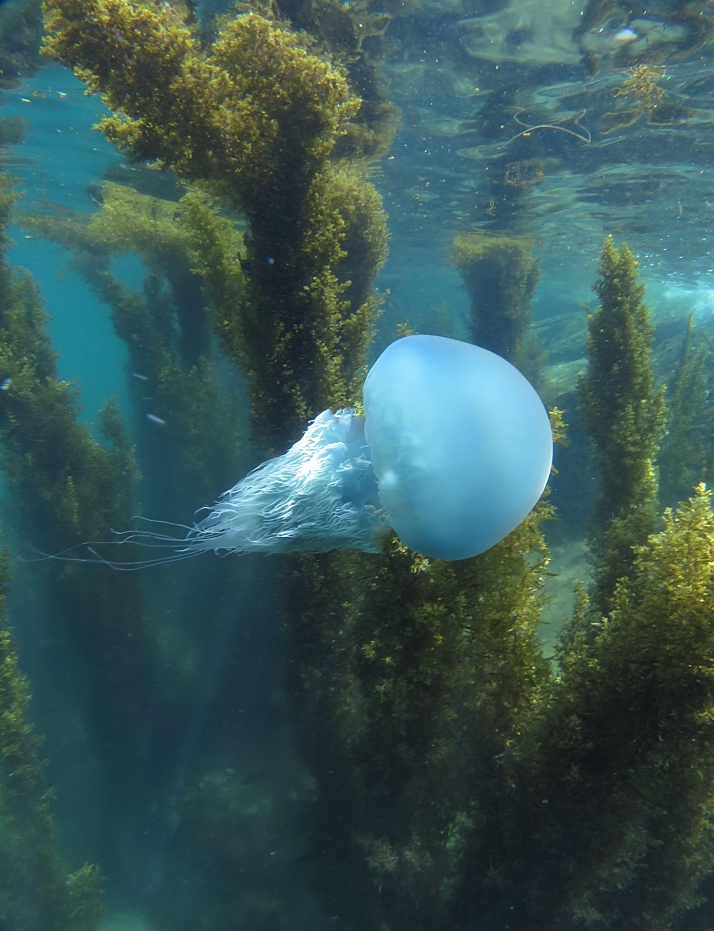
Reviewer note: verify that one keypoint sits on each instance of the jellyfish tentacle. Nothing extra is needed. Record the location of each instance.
(320, 495)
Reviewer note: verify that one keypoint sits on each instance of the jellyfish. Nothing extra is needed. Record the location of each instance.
(460, 443)
(454, 450)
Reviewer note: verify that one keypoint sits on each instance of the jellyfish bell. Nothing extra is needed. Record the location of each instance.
(453, 453)
(460, 442)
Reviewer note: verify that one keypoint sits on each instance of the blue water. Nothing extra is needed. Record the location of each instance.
(61, 155)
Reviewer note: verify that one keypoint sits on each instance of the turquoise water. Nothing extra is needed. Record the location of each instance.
(63, 152)
(183, 706)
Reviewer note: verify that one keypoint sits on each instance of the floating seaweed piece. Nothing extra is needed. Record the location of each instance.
(523, 174)
(651, 100)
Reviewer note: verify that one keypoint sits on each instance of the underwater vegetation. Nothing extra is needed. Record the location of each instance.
(69, 486)
(624, 414)
(685, 457)
(643, 96)
(353, 32)
(21, 28)
(299, 335)
(523, 174)
(36, 893)
(612, 777)
(12, 130)
(582, 801)
(413, 675)
(500, 275)
(191, 257)
(71, 482)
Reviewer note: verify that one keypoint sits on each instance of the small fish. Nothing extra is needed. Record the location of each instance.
(625, 36)
(140, 377)
(4, 385)
(154, 419)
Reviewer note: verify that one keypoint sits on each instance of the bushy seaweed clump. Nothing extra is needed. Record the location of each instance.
(80, 486)
(602, 815)
(415, 675)
(258, 116)
(613, 779)
(624, 415)
(640, 95)
(354, 32)
(483, 790)
(500, 275)
(36, 894)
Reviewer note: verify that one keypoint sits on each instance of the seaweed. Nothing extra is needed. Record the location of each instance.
(36, 893)
(501, 275)
(166, 328)
(20, 40)
(257, 116)
(66, 488)
(415, 675)
(685, 455)
(614, 775)
(642, 88)
(624, 415)
(461, 779)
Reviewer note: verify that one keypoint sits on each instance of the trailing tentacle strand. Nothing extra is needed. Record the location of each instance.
(320, 495)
